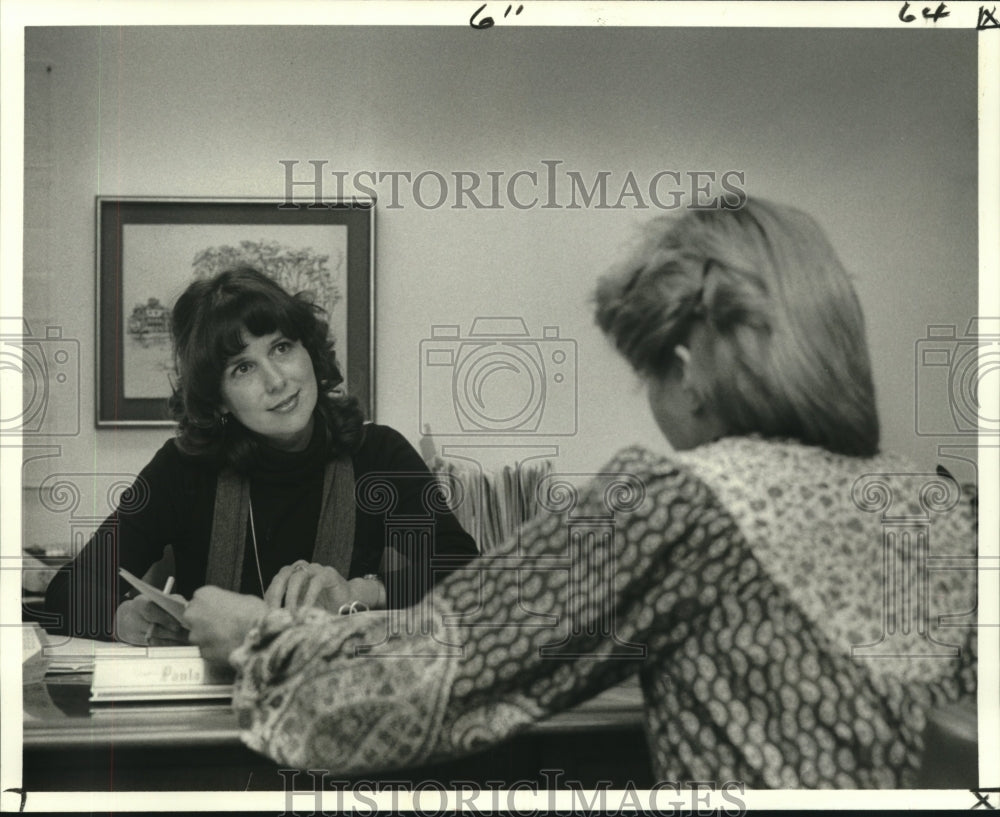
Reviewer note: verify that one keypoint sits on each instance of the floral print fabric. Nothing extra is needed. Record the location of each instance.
(748, 615)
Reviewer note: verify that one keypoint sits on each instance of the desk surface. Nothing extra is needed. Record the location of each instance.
(58, 714)
(71, 745)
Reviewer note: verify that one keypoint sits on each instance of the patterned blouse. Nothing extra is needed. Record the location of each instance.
(792, 615)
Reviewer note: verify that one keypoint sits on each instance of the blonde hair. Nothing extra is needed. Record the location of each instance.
(785, 325)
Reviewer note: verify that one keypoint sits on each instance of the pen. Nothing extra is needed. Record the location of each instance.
(167, 587)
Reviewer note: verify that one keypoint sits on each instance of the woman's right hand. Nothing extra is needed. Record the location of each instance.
(305, 584)
(140, 622)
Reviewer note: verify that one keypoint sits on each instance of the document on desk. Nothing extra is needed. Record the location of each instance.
(65, 654)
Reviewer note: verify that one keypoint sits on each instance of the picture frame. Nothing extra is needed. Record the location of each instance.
(149, 249)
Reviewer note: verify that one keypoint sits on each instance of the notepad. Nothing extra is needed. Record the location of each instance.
(170, 605)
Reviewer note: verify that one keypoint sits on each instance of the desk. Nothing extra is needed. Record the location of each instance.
(71, 746)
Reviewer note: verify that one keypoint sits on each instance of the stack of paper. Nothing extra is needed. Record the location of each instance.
(67, 654)
(495, 502)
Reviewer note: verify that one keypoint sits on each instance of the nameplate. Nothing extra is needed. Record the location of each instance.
(160, 678)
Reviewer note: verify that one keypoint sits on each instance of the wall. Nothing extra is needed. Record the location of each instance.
(873, 132)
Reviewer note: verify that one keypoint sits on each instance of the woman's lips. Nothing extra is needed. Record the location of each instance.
(286, 405)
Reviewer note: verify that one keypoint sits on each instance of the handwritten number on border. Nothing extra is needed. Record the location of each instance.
(940, 12)
(488, 22)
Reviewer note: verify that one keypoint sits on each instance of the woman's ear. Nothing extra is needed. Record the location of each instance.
(688, 378)
(684, 355)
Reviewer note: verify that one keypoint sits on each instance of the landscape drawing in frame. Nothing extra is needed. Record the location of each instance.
(150, 249)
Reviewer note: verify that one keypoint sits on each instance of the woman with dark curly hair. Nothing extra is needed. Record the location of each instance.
(256, 493)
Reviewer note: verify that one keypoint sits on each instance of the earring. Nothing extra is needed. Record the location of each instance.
(224, 420)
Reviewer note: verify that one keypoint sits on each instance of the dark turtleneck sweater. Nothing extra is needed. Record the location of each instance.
(173, 500)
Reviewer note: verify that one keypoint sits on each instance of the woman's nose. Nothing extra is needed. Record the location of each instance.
(274, 377)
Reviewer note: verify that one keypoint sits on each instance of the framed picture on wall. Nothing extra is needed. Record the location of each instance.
(150, 249)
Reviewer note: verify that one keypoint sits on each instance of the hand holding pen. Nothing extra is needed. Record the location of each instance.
(167, 587)
(141, 622)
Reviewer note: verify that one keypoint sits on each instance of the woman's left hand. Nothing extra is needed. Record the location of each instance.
(218, 620)
(306, 584)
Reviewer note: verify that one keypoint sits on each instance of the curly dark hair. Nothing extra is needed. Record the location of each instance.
(207, 326)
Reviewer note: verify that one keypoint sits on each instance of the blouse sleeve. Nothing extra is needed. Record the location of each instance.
(570, 606)
(83, 596)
